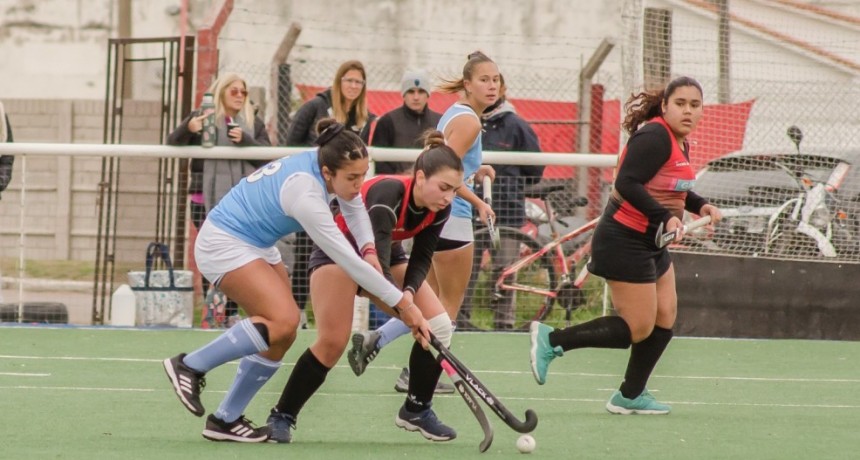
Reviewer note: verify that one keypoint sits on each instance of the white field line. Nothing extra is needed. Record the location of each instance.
(476, 371)
(387, 394)
(24, 374)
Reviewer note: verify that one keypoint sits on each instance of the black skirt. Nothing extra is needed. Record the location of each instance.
(620, 253)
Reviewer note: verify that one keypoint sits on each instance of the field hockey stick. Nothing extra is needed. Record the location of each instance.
(491, 401)
(491, 226)
(471, 403)
(664, 238)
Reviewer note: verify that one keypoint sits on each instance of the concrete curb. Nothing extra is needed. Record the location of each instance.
(43, 284)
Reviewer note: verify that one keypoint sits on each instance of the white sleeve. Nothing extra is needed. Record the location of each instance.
(357, 220)
(302, 199)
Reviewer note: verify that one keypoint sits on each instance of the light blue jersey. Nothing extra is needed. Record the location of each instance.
(252, 210)
(471, 161)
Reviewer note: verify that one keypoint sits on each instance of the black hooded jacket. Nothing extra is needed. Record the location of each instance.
(504, 130)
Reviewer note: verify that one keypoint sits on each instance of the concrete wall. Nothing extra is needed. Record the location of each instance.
(61, 193)
(57, 49)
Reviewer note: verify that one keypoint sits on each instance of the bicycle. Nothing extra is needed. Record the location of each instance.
(538, 278)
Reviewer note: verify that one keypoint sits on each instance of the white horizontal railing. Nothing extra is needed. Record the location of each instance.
(377, 154)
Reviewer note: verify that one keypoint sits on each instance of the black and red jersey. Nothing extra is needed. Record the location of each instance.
(395, 217)
(654, 178)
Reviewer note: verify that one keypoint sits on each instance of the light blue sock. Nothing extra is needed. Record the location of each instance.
(391, 330)
(242, 339)
(254, 371)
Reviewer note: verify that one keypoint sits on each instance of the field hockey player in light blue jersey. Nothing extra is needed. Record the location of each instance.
(236, 251)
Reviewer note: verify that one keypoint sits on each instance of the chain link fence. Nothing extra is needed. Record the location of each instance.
(776, 148)
(783, 198)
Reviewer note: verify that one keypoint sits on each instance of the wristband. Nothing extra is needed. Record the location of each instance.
(368, 250)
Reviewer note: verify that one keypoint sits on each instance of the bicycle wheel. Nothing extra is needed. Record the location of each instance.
(488, 308)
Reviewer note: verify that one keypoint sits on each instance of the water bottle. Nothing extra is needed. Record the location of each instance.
(123, 307)
(209, 132)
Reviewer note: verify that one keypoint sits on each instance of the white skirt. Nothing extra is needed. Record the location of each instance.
(218, 252)
(458, 229)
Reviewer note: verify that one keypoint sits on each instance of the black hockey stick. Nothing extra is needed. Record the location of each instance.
(517, 425)
(471, 403)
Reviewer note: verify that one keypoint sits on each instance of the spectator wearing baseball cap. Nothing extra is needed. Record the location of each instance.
(403, 126)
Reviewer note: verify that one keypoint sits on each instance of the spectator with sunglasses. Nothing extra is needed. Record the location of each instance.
(345, 101)
(236, 251)
(214, 178)
(211, 179)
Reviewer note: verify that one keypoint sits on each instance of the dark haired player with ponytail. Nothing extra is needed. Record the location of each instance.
(449, 275)
(652, 187)
(236, 251)
(400, 207)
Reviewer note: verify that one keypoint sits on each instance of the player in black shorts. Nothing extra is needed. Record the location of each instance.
(652, 187)
(399, 207)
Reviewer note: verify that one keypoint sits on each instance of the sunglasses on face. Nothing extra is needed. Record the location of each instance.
(236, 91)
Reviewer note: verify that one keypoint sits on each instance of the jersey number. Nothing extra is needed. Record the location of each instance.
(267, 170)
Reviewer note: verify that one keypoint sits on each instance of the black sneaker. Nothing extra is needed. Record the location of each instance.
(240, 430)
(426, 423)
(402, 384)
(186, 382)
(280, 427)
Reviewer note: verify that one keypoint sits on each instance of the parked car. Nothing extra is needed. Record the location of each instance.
(786, 203)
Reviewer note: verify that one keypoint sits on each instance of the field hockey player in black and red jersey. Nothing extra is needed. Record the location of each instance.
(653, 188)
(400, 207)
(449, 275)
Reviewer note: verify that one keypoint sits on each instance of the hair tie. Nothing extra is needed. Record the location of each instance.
(328, 134)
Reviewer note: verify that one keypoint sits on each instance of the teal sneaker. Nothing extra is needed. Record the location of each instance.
(644, 404)
(542, 353)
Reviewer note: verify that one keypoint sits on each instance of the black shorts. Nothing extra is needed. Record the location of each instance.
(319, 258)
(619, 253)
(445, 244)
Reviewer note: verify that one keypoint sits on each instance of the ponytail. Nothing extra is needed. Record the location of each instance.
(454, 86)
(436, 155)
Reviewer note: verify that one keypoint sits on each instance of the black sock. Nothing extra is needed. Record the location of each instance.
(603, 332)
(424, 373)
(643, 357)
(308, 375)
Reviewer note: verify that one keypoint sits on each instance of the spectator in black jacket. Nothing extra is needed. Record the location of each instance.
(404, 126)
(6, 161)
(345, 101)
(505, 130)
